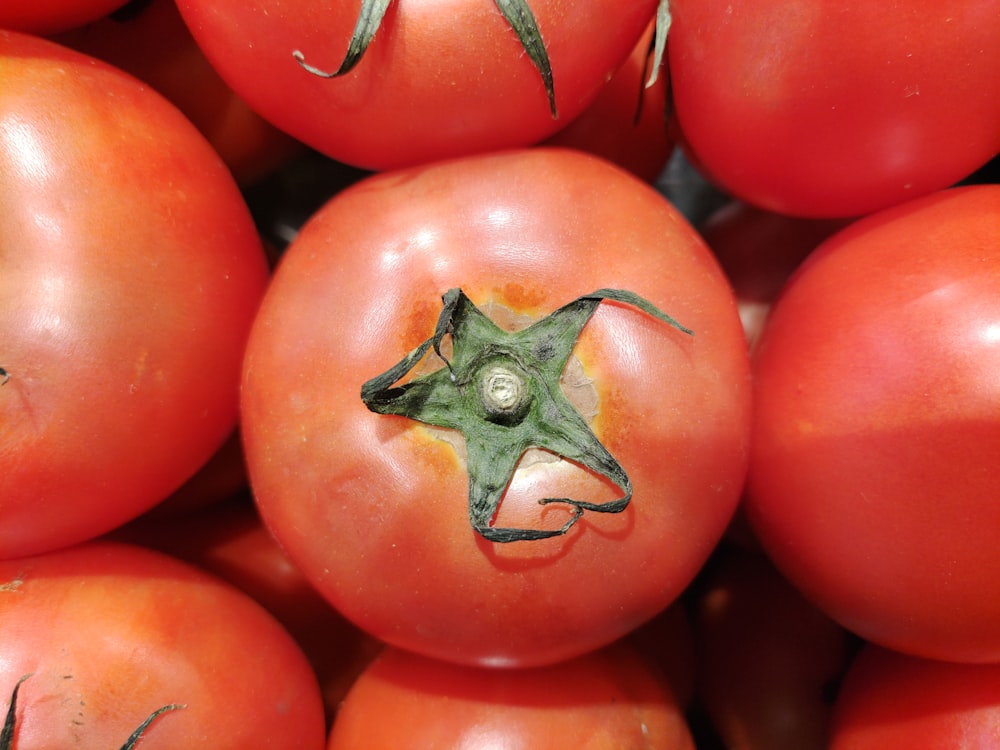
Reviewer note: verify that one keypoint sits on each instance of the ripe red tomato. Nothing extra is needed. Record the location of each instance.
(131, 274)
(608, 700)
(228, 540)
(890, 700)
(50, 16)
(811, 110)
(873, 481)
(375, 508)
(439, 79)
(110, 633)
(148, 39)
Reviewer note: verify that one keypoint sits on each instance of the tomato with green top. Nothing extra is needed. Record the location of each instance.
(379, 85)
(497, 408)
(104, 639)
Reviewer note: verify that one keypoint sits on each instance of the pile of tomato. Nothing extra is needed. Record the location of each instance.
(504, 373)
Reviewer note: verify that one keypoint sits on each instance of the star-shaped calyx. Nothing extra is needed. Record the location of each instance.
(501, 390)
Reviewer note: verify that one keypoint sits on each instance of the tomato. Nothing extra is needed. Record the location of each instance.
(759, 250)
(889, 699)
(608, 699)
(148, 39)
(50, 16)
(769, 663)
(228, 540)
(132, 271)
(811, 110)
(110, 633)
(625, 124)
(872, 479)
(438, 80)
(382, 512)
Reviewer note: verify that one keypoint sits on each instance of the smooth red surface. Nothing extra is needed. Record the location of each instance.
(374, 508)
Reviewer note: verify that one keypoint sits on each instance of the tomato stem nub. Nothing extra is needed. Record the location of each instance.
(501, 390)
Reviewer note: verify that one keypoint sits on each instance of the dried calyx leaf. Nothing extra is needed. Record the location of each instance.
(7, 732)
(518, 15)
(500, 389)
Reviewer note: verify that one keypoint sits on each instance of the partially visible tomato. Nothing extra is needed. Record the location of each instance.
(889, 700)
(758, 251)
(813, 109)
(608, 700)
(228, 540)
(148, 39)
(375, 508)
(439, 79)
(51, 16)
(110, 633)
(131, 272)
(625, 124)
(873, 482)
(768, 662)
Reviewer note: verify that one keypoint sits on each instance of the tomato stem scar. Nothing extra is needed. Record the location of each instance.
(501, 390)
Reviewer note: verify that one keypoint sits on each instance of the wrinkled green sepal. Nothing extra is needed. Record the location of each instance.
(452, 397)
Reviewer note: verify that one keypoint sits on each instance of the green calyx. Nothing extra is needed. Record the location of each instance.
(501, 391)
(519, 17)
(7, 731)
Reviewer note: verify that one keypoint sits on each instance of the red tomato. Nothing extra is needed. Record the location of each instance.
(50, 16)
(605, 700)
(768, 661)
(625, 122)
(889, 700)
(872, 480)
(228, 540)
(110, 633)
(149, 40)
(439, 79)
(813, 110)
(375, 508)
(131, 274)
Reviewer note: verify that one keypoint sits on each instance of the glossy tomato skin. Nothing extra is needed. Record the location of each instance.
(889, 699)
(111, 632)
(131, 274)
(872, 481)
(811, 110)
(151, 42)
(51, 16)
(374, 508)
(439, 80)
(608, 700)
(228, 540)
